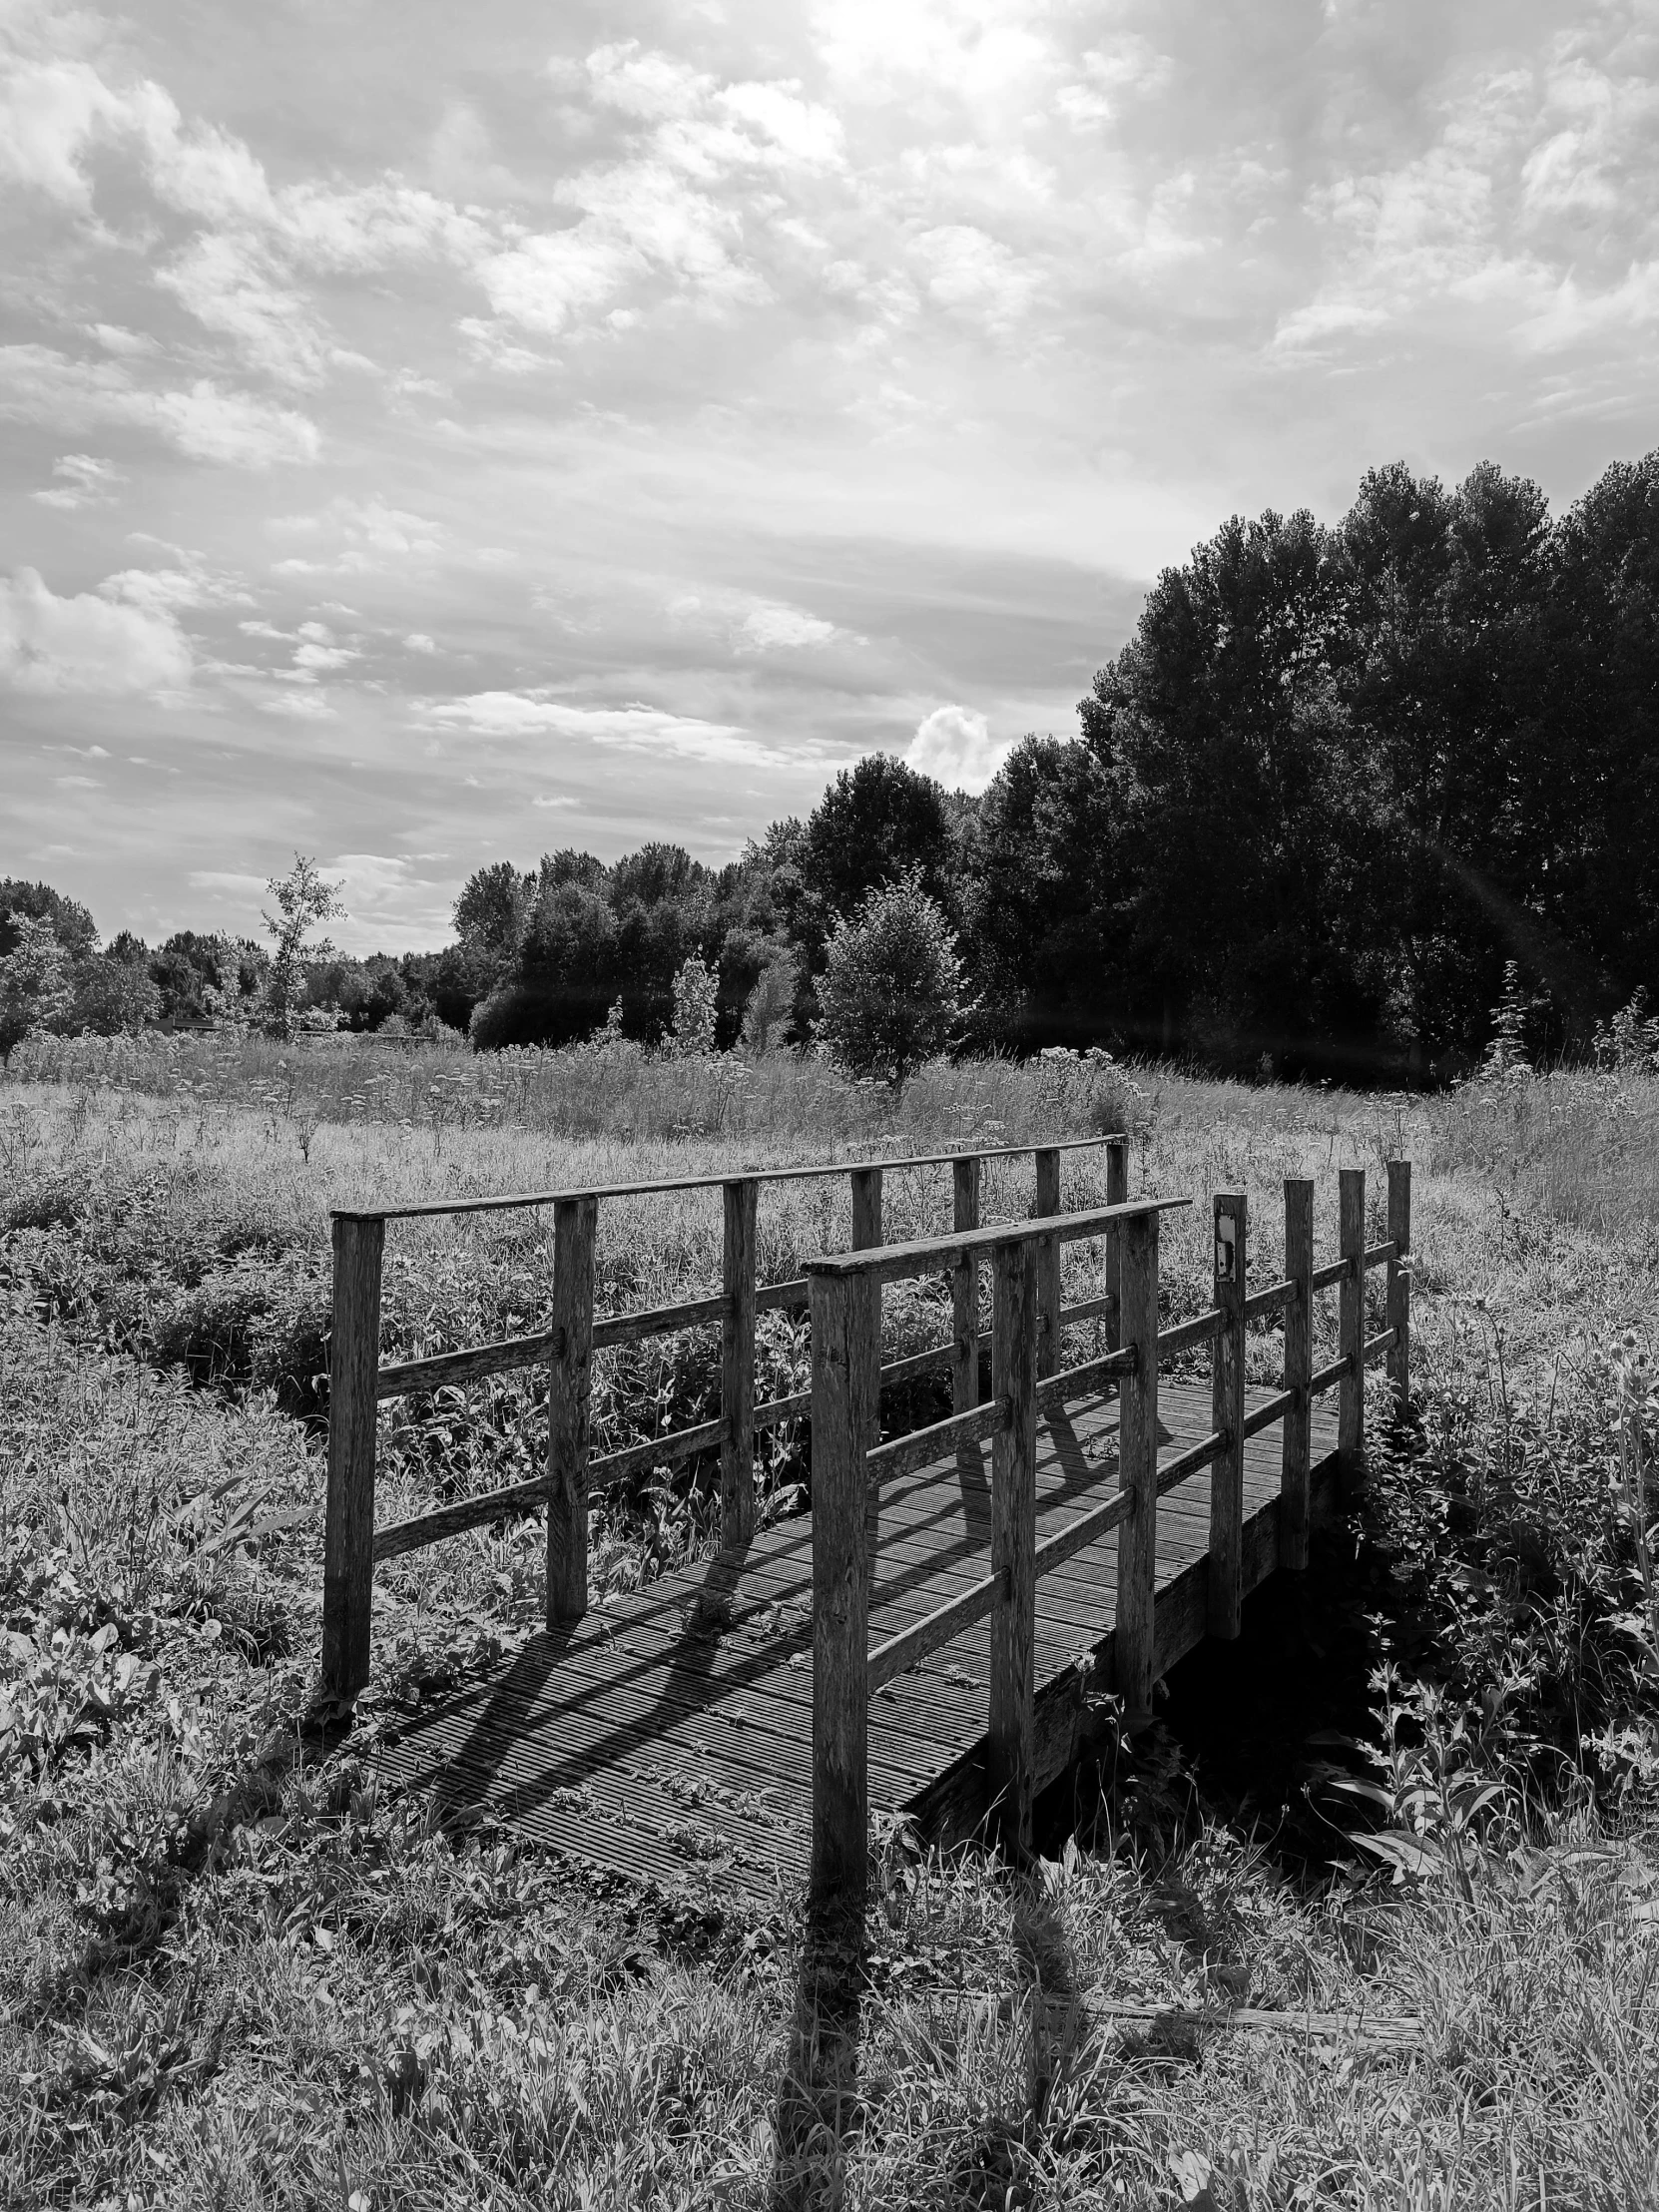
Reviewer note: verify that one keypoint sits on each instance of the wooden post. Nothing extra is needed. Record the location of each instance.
(965, 1308)
(1048, 1263)
(1227, 1415)
(569, 1410)
(1350, 1339)
(1398, 1312)
(841, 1588)
(1298, 1368)
(737, 1363)
(1011, 1750)
(1117, 1193)
(1136, 1638)
(353, 1367)
(866, 1233)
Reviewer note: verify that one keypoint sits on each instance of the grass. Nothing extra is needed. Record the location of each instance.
(233, 1972)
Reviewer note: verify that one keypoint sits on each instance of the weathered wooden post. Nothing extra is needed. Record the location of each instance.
(1117, 1194)
(1011, 1755)
(841, 1319)
(1226, 1417)
(964, 1307)
(353, 1371)
(1295, 1467)
(1136, 1636)
(1398, 1315)
(867, 1234)
(1048, 1263)
(569, 1410)
(1350, 1339)
(736, 1362)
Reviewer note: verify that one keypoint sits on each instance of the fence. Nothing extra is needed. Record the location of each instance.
(358, 1382)
(849, 1466)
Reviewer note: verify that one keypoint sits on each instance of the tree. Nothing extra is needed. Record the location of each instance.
(691, 1034)
(114, 997)
(36, 981)
(303, 901)
(768, 1009)
(67, 918)
(490, 920)
(892, 990)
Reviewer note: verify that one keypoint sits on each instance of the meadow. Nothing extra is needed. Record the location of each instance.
(1419, 1877)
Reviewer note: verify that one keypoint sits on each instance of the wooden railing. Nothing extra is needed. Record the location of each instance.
(850, 1466)
(566, 1345)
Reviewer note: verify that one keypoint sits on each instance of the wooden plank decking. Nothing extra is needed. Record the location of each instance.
(669, 1735)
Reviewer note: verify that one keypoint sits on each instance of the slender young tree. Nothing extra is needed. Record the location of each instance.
(303, 901)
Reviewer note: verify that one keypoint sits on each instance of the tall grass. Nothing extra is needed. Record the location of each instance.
(231, 1973)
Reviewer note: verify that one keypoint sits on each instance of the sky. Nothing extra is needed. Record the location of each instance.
(434, 434)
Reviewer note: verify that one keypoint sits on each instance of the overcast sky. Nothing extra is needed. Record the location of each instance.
(431, 433)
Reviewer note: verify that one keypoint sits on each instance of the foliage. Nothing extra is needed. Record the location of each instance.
(691, 1033)
(37, 990)
(235, 1969)
(770, 1006)
(892, 989)
(303, 901)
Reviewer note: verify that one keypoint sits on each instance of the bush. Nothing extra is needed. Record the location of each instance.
(891, 991)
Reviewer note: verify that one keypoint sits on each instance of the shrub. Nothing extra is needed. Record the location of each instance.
(892, 989)
(692, 1031)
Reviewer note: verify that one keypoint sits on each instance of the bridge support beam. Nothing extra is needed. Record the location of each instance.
(353, 1371)
(1048, 1263)
(1010, 1743)
(1399, 1311)
(1137, 1634)
(1350, 1332)
(737, 1363)
(569, 1410)
(1295, 1467)
(842, 1327)
(1232, 1224)
(964, 1309)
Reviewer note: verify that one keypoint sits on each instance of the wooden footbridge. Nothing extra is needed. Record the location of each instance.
(928, 1643)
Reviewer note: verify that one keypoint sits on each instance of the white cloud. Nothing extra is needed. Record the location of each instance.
(509, 713)
(207, 422)
(85, 481)
(956, 745)
(190, 584)
(86, 643)
(298, 706)
(369, 535)
(767, 628)
(231, 286)
(418, 642)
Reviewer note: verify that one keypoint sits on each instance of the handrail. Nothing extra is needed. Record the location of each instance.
(423, 1208)
(904, 1454)
(934, 1255)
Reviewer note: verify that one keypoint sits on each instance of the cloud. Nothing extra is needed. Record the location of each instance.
(370, 535)
(955, 743)
(230, 285)
(509, 713)
(85, 481)
(418, 642)
(190, 584)
(298, 706)
(768, 627)
(86, 643)
(207, 422)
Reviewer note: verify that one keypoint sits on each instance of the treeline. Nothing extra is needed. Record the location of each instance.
(1335, 784)
(1336, 781)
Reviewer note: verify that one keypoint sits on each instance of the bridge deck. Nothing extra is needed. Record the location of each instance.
(669, 1735)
